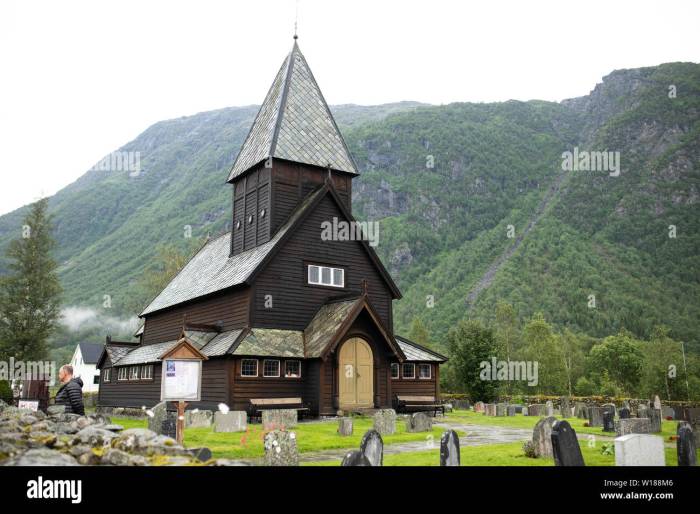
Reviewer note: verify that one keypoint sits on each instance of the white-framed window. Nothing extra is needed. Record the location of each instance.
(425, 371)
(326, 276)
(409, 370)
(249, 368)
(123, 373)
(271, 368)
(147, 372)
(134, 373)
(105, 375)
(96, 379)
(292, 369)
(394, 370)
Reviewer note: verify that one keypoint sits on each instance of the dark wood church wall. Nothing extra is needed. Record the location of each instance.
(285, 277)
(251, 209)
(138, 393)
(230, 307)
(291, 182)
(245, 388)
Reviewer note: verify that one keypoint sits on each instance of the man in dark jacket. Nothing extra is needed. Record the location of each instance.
(71, 392)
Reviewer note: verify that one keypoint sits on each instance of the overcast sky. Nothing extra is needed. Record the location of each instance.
(81, 78)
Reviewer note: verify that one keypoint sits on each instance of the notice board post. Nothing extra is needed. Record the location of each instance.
(181, 380)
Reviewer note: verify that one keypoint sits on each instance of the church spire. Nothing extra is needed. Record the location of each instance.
(294, 123)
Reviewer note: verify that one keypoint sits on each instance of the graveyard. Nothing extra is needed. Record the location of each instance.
(319, 443)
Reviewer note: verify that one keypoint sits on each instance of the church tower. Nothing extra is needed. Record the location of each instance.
(293, 146)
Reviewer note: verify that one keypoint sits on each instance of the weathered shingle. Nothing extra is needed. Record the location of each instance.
(212, 269)
(270, 342)
(221, 344)
(294, 123)
(325, 324)
(145, 354)
(415, 352)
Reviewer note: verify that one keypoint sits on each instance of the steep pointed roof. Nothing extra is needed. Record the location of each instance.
(294, 123)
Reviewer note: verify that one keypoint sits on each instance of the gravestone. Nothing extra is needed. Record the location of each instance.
(565, 447)
(610, 407)
(535, 410)
(542, 437)
(667, 412)
(624, 413)
(231, 421)
(642, 411)
(608, 421)
(449, 449)
(385, 421)
(355, 458)
(460, 404)
(198, 418)
(345, 426)
(201, 454)
(595, 416)
(685, 445)
(565, 407)
(372, 447)
(633, 426)
(489, 409)
(549, 408)
(279, 419)
(281, 448)
(691, 414)
(163, 421)
(479, 407)
(654, 416)
(511, 410)
(419, 422)
(169, 426)
(500, 409)
(639, 450)
(518, 409)
(525, 411)
(657, 402)
(581, 410)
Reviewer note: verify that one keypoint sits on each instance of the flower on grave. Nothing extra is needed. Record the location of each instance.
(292, 435)
(150, 413)
(223, 408)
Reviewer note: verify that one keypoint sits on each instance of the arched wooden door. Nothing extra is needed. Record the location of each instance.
(356, 375)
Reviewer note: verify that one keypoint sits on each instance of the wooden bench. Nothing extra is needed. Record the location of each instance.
(407, 403)
(257, 405)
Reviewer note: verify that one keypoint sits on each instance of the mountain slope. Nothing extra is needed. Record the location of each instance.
(448, 184)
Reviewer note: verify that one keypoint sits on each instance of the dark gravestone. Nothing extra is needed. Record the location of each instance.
(595, 416)
(608, 421)
(169, 426)
(624, 413)
(691, 414)
(609, 407)
(201, 454)
(372, 447)
(355, 458)
(654, 416)
(685, 445)
(565, 446)
(449, 449)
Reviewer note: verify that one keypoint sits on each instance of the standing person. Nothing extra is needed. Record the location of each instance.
(71, 392)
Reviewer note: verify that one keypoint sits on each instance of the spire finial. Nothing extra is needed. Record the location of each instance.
(296, 19)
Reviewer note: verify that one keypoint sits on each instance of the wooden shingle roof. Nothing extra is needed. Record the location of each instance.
(294, 123)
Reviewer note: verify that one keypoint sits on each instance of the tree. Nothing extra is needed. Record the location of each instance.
(572, 353)
(30, 293)
(544, 347)
(470, 344)
(418, 333)
(506, 332)
(618, 358)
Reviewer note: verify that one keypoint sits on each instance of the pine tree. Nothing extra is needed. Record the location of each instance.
(30, 293)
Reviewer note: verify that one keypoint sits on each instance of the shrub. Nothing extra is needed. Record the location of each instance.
(5, 391)
(529, 449)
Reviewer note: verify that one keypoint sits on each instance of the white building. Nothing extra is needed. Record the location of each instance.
(84, 364)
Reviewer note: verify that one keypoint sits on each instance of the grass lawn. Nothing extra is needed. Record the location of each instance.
(668, 428)
(507, 454)
(314, 436)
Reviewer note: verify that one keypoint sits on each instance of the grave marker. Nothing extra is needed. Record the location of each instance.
(449, 449)
(639, 450)
(372, 447)
(565, 447)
